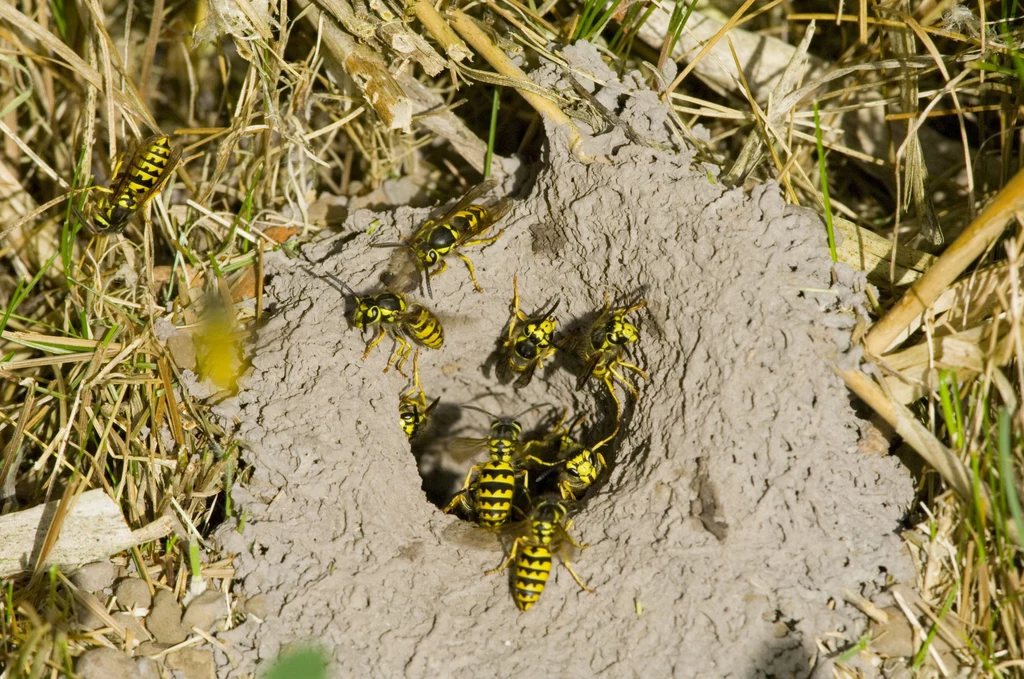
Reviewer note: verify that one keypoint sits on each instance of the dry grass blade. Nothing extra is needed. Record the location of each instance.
(964, 250)
(479, 41)
(364, 66)
(64, 508)
(441, 31)
(13, 449)
(947, 464)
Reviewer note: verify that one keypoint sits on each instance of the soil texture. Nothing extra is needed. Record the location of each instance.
(737, 508)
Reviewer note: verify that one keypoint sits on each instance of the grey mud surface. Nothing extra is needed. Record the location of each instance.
(737, 508)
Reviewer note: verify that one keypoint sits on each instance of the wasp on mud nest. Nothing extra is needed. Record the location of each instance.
(488, 492)
(134, 185)
(413, 409)
(577, 465)
(547, 531)
(528, 343)
(393, 315)
(463, 226)
(601, 349)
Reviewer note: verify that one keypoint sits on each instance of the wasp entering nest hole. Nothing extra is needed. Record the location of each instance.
(531, 481)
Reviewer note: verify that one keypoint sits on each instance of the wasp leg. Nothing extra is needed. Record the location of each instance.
(517, 315)
(511, 556)
(532, 458)
(639, 305)
(402, 351)
(569, 537)
(626, 383)
(484, 241)
(572, 572)
(469, 478)
(618, 404)
(472, 271)
(565, 488)
(460, 501)
(441, 268)
(374, 342)
(635, 368)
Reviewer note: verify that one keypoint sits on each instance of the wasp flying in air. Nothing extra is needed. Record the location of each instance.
(488, 491)
(463, 226)
(134, 185)
(413, 409)
(528, 343)
(601, 350)
(403, 321)
(548, 532)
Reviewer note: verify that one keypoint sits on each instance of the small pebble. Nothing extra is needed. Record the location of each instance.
(95, 577)
(148, 668)
(106, 663)
(164, 619)
(193, 663)
(205, 610)
(133, 593)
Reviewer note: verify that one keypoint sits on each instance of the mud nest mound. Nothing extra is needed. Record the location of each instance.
(737, 508)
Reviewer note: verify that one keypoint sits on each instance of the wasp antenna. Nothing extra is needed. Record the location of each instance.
(550, 310)
(531, 409)
(432, 406)
(346, 288)
(85, 222)
(480, 410)
(430, 291)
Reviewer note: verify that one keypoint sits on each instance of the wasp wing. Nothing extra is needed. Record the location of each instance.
(463, 448)
(493, 213)
(588, 370)
(471, 195)
(527, 375)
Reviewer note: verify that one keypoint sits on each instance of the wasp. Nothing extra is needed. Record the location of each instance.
(528, 343)
(489, 488)
(463, 226)
(403, 321)
(413, 409)
(547, 531)
(602, 348)
(578, 466)
(134, 184)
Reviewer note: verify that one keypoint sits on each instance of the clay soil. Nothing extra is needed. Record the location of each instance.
(737, 508)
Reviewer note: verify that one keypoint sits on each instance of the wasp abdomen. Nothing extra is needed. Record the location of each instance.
(494, 490)
(424, 327)
(533, 566)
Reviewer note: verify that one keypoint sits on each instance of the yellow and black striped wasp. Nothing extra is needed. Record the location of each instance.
(413, 409)
(463, 226)
(488, 492)
(601, 350)
(134, 184)
(528, 343)
(578, 466)
(547, 531)
(403, 321)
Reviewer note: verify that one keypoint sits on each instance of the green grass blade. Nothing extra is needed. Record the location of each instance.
(489, 156)
(824, 186)
(1006, 472)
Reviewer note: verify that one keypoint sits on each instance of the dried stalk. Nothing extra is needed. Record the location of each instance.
(917, 436)
(440, 31)
(479, 41)
(364, 66)
(969, 246)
